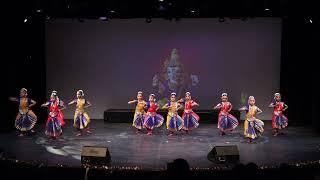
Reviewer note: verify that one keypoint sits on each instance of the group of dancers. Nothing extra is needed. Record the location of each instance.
(145, 115)
(175, 123)
(26, 119)
(253, 127)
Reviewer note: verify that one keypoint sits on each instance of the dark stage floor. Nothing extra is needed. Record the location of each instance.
(153, 152)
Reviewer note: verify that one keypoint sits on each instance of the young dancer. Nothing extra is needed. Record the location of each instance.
(55, 120)
(26, 119)
(189, 117)
(174, 121)
(152, 119)
(81, 118)
(226, 122)
(279, 121)
(138, 118)
(252, 126)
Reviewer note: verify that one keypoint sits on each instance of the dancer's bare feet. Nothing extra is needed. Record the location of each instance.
(88, 131)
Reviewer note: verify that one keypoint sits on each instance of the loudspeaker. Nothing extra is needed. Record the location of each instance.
(95, 155)
(224, 154)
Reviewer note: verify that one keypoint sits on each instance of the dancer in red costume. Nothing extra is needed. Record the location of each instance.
(226, 122)
(55, 120)
(152, 119)
(279, 121)
(190, 118)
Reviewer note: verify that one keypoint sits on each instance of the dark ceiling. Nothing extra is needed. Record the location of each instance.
(170, 8)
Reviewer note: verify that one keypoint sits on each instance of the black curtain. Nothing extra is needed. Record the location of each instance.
(299, 81)
(24, 64)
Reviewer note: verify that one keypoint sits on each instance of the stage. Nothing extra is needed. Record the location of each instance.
(128, 148)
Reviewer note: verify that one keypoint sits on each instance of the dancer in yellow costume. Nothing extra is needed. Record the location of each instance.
(81, 118)
(174, 121)
(253, 127)
(138, 118)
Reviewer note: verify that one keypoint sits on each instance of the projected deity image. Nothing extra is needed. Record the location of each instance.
(173, 78)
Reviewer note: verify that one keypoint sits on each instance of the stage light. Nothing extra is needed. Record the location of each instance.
(25, 20)
(192, 11)
(221, 19)
(310, 20)
(103, 18)
(112, 11)
(266, 5)
(48, 19)
(160, 0)
(39, 10)
(162, 8)
(148, 20)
